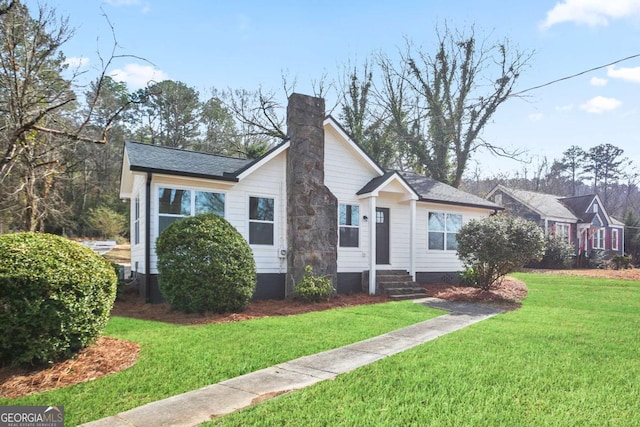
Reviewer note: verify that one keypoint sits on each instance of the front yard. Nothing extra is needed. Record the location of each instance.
(568, 357)
(179, 358)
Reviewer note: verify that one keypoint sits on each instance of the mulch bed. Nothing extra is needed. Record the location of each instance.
(106, 356)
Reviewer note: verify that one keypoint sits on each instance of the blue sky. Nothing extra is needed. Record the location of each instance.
(251, 44)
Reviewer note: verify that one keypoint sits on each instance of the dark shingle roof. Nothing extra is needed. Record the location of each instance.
(375, 183)
(579, 205)
(153, 158)
(547, 205)
(431, 190)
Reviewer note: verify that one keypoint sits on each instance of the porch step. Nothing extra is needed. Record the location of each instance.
(396, 284)
(402, 297)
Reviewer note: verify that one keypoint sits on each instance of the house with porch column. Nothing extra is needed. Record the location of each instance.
(315, 199)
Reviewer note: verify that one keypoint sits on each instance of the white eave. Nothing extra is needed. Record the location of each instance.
(257, 165)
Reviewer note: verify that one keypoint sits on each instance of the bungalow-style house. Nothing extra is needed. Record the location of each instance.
(582, 220)
(315, 199)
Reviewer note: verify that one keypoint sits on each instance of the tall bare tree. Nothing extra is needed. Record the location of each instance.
(363, 120)
(40, 117)
(461, 87)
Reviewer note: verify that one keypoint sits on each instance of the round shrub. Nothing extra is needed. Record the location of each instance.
(55, 297)
(205, 265)
(497, 245)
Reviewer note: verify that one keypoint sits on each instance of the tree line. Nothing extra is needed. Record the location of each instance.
(61, 147)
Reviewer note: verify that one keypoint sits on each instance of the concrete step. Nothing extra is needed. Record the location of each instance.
(401, 297)
(391, 279)
(394, 278)
(404, 290)
(399, 284)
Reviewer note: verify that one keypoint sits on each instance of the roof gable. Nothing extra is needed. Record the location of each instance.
(390, 181)
(579, 205)
(249, 168)
(329, 121)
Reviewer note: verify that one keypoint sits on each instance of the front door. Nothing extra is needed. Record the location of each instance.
(382, 235)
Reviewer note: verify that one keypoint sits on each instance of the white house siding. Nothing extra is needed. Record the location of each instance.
(269, 181)
(137, 250)
(430, 261)
(346, 172)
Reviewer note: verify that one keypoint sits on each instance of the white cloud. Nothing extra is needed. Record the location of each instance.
(563, 108)
(628, 74)
(597, 81)
(600, 104)
(144, 5)
(590, 12)
(535, 117)
(137, 76)
(77, 62)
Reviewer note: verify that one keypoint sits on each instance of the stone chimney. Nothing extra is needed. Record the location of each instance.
(312, 210)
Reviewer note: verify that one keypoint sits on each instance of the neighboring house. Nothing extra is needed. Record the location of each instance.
(582, 220)
(316, 199)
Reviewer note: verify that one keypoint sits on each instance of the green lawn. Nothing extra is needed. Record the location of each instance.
(568, 357)
(175, 359)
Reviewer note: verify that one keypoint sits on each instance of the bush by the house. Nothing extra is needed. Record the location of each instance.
(55, 297)
(205, 265)
(558, 253)
(620, 262)
(469, 277)
(498, 245)
(597, 259)
(313, 288)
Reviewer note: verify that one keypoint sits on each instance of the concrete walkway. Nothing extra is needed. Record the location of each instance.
(198, 406)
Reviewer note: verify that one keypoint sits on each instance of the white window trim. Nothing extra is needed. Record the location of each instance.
(615, 237)
(350, 226)
(564, 227)
(445, 250)
(274, 222)
(156, 192)
(598, 240)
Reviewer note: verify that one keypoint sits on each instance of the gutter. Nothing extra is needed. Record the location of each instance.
(468, 205)
(225, 177)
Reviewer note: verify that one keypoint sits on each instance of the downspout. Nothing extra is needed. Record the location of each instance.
(147, 240)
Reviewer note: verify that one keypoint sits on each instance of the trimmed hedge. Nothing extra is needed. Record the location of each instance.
(55, 298)
(205, 265)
